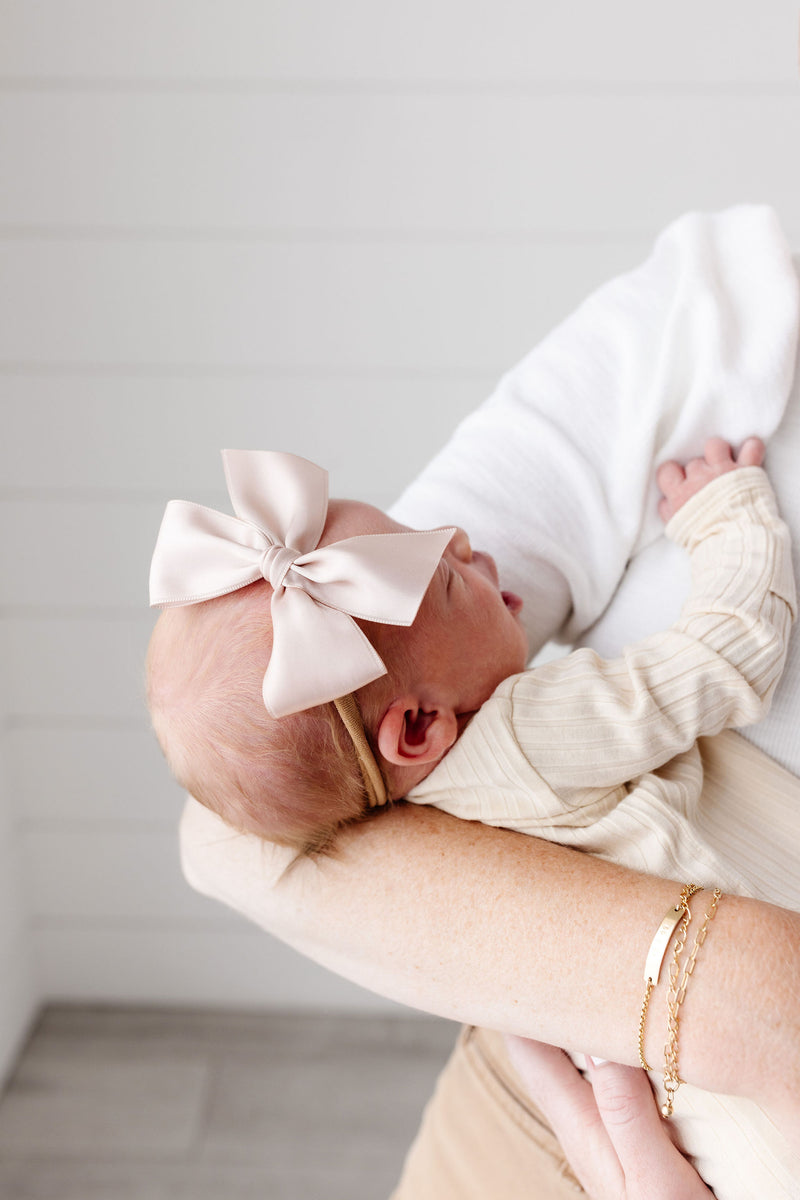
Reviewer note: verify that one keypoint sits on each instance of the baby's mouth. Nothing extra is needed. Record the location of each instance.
(512, 602)
(488, 566)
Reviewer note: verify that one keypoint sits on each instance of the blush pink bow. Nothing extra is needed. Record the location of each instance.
(281, 503)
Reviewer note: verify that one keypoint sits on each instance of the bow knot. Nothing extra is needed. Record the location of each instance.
(276, 562)
(319, 653)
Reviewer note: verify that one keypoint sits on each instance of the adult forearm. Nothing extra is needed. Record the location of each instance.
(742, 1009)
(493, 928)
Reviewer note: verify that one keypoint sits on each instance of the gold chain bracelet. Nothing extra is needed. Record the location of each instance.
(675, 998)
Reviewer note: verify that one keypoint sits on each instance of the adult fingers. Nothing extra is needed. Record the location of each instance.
(568, 1103)
(609, 1129)
(652, 1167)
(630, 1117)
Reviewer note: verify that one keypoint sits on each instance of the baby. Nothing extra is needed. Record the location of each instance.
(389, 653)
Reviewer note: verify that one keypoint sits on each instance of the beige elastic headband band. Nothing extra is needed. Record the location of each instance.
(348, 710)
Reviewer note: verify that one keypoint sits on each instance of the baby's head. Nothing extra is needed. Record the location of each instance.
(297, 778)
(293, 780)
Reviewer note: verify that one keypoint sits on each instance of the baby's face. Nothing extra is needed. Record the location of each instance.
(467, 637)
(467, 629)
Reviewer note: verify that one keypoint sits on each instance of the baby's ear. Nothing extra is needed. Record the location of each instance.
(409, 736)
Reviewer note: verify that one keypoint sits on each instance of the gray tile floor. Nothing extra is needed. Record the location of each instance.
(168, 1104)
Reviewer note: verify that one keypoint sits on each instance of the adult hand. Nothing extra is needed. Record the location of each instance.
(609, 1128)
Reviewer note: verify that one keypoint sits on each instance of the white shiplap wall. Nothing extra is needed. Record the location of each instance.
(311, 226)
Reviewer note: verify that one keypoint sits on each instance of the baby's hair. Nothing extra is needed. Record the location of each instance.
(296, 780)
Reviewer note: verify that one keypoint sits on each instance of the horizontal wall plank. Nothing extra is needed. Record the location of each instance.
(233, 967)
(452, 164)
(89, 669)
(455, 164)
(78, 553)
(82, 875)
(316, 306)
(14, 896)
(73, 777)
(95, 434)
(495, 40)
(8, 833)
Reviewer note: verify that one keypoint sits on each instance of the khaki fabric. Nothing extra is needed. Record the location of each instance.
(481, 1137)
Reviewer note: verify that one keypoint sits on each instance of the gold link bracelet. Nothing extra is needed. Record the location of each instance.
(675, 998)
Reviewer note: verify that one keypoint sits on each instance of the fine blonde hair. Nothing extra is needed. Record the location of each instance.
(296, 780)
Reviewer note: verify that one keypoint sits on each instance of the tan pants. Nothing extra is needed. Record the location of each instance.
(481, 1136)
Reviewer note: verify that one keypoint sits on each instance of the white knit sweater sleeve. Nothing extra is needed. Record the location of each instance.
(586, 722)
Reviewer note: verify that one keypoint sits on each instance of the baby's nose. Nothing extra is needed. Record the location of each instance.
(460, 546)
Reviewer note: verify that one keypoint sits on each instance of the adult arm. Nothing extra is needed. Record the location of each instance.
(498, 929)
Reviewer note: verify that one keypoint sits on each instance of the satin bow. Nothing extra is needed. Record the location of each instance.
(281, 503)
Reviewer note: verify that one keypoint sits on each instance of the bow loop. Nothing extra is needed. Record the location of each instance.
(281, 494)
(281, 502)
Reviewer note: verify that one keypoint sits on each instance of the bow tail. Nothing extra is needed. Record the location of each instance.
(318, 653)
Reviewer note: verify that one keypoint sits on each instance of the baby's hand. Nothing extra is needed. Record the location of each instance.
(679, 484)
